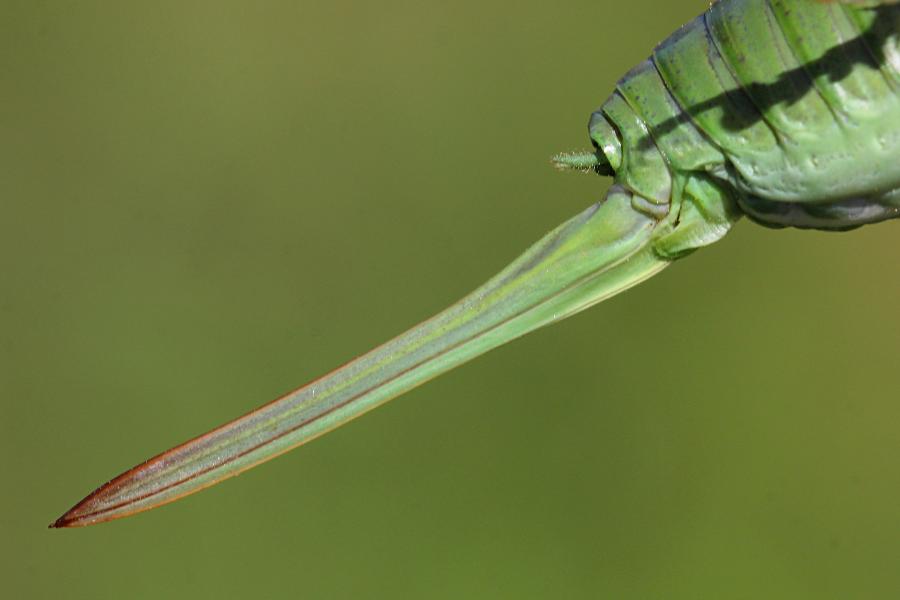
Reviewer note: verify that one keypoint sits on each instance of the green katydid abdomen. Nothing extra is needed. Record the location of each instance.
(795, 105)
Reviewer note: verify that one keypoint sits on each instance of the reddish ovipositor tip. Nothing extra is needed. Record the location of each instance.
(60, 523)
(77, 516)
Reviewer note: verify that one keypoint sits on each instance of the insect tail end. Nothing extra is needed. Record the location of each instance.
(583, 160)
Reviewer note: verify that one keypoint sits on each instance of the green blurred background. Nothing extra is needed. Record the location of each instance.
(206, 204)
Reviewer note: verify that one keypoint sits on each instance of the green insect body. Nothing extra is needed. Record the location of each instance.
(787, 111)
(791, 107)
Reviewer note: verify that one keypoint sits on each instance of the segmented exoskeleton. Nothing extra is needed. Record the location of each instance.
(790, 107)
(785, 110)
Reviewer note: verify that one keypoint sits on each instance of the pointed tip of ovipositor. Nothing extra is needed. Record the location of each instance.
(77, 516)
(59, 523)
(66, 521)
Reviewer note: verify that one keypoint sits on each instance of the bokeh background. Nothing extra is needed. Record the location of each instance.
(205, 204)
